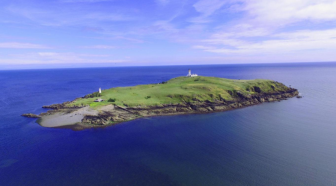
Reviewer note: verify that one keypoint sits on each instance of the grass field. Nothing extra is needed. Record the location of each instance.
(182, 89)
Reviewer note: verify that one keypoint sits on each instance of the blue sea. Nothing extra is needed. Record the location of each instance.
(292, 142)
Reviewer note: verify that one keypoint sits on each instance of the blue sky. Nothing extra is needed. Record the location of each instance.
(80, 33)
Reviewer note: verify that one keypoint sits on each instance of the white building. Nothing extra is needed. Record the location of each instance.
(98, 100)
(191, 75)
(99, 90)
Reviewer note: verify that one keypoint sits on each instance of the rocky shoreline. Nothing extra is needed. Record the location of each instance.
(113, 114)
(30, 115)
(120, 114)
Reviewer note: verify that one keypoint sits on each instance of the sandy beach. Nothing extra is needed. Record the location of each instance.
(64, 119)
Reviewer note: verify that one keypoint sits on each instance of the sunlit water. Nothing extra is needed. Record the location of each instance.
(292, 142)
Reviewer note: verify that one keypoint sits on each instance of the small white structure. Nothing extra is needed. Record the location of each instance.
(191, 75)
(99, 90)
(98, 100)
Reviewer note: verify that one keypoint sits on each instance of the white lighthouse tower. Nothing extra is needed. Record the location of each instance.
(191, 75)
(99, 90)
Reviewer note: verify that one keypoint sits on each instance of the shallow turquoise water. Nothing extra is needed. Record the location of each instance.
(292, 142)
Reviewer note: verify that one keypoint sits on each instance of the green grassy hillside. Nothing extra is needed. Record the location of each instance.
(181, 89)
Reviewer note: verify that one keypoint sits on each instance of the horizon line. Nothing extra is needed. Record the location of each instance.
(166, 65)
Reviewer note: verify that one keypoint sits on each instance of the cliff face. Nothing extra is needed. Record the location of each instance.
(120, 114)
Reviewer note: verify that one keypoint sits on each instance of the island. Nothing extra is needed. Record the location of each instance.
(181, 95)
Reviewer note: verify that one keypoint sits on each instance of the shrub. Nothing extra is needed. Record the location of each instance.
(112, 100)
(93, 95)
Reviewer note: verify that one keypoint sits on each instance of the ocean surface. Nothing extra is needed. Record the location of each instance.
(292, 142)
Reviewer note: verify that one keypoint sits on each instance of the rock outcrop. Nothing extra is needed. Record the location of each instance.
(61, 106)
(30, 115)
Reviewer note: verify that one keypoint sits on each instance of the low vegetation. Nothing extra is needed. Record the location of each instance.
(180, 90)
(112, 100)
(93, 95)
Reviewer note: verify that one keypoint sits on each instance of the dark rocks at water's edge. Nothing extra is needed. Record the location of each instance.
(30, 115)
(55, 108)
(61, 106)
(121, 114)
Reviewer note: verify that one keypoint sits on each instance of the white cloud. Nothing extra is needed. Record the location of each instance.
(289, 42)
(239, 31)
(59, 58)
(164, 26)
(47, 54)
(283, 12)
(68, 16)
(207, 7)
(257, 33)
(107, 17)
(22, 45)
(101, 47)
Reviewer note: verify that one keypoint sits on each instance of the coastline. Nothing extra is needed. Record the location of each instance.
(84, 117)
